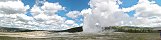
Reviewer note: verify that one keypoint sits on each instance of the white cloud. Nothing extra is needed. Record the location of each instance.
(12, 7)
(41, 17)
(69, 22)
(47, 8)
(85, 12)
(149, 12)
(35, 10)
(23, 17)
(51, 8)
(73, 14)
(12, 12)
(47, 19)
(76, 25)
(13, 15)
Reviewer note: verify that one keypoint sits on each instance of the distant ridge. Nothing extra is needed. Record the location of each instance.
(72, 30)
(7, 29)
(129, 29)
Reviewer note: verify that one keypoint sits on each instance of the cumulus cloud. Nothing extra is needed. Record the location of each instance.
(73, 14)
(51, 8)
(69, 22)
(85, 12)
(145, 9)
(23, 17)
(46, 17)
(146, 12)
(47, 8)
(11, 11)
(35, 10)
(12, 7)
(12, 14)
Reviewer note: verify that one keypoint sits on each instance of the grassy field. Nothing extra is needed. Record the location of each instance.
(138, 36)
(79, 36)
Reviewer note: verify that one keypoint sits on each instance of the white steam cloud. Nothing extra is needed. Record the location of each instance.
(106, 13)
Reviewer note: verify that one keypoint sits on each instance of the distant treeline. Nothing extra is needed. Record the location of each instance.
(131, 29)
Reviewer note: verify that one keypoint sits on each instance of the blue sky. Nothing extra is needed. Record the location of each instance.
(71, 5)
(130, 3)
(78, 5)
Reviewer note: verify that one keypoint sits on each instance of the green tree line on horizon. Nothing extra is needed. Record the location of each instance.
(130, 29)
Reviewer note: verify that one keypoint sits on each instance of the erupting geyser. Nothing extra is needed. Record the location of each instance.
(104, 13)
(91, 24)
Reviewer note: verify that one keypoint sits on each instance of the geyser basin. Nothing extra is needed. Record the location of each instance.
(45, 15)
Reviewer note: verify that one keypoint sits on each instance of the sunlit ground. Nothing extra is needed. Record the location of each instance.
(43, 35)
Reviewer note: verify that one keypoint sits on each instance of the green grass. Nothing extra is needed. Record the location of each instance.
(139, 36)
